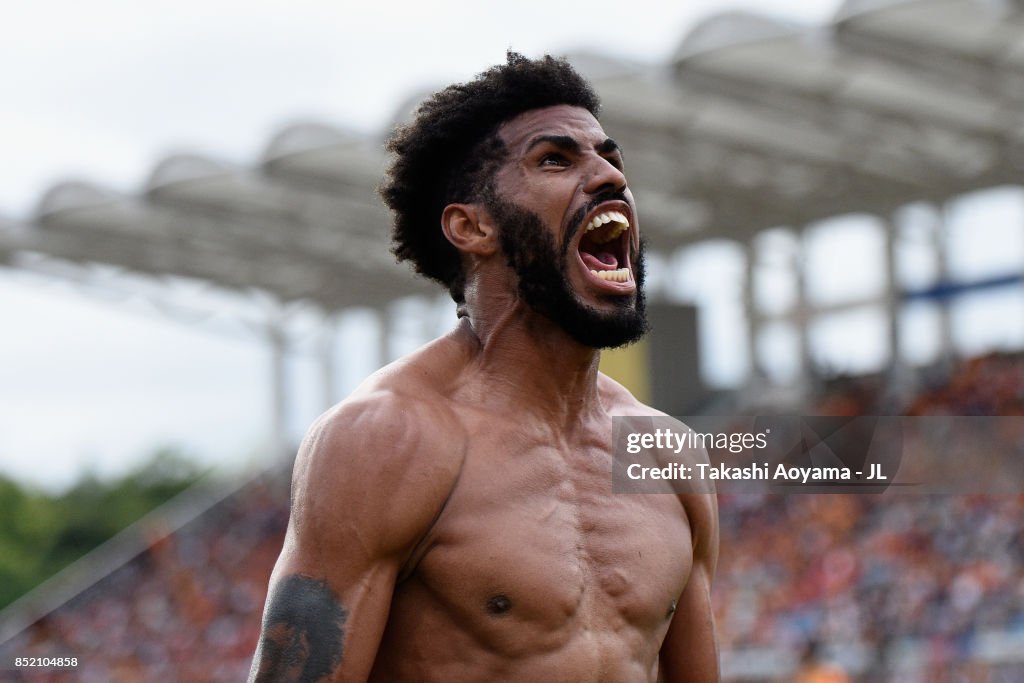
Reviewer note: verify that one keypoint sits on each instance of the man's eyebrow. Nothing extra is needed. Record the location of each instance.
(562, 141)
(608, 146)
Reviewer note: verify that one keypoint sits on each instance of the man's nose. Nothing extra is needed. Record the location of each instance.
(605, 177)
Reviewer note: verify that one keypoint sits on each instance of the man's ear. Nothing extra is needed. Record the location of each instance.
(470, 229)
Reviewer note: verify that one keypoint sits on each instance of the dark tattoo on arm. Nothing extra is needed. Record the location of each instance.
(303, 632)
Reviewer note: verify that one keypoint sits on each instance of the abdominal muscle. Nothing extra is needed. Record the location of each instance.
(452, 654)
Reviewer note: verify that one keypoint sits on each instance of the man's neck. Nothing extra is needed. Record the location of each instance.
(527, 360)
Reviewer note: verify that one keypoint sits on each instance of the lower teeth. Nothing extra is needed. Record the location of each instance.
(620, 275)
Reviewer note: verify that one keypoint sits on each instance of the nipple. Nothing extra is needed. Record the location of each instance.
(499, 604)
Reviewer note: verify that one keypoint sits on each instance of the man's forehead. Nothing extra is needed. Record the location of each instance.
(561, 119)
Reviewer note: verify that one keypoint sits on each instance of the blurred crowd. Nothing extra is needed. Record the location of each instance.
(988, 385)
(924, 576)
(187, 609)
(909, 590)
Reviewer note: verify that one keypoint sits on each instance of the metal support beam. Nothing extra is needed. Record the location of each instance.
(942, 255)
(328, 366)
(754, 369)
(802, 311)
(384, 341)
(891, 228)
(278, 341)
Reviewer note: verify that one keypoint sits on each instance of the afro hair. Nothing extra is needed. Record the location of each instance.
(450, 150)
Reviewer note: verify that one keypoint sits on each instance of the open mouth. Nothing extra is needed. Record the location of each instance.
(604, 247)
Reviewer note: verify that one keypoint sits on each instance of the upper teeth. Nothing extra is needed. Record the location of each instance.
(621, 224)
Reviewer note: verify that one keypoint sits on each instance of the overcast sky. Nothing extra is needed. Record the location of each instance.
(102, 90)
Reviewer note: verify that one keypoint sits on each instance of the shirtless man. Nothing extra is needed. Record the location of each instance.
(453, 520)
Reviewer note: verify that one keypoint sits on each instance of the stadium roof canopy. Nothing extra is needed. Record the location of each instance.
(754, 123)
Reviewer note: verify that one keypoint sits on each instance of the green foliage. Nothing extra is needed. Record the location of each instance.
(42, 533)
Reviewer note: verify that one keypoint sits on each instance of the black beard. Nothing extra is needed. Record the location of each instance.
(544, 286)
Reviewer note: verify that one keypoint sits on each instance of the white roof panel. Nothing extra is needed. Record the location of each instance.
(753, 123)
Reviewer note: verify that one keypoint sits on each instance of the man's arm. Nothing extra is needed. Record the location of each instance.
(370, 479)
(689, 653)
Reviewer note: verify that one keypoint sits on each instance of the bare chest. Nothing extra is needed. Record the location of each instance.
(533, 536)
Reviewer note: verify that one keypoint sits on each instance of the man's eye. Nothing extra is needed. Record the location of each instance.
(553, 160)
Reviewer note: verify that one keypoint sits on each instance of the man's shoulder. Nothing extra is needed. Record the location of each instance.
(387, 421)
(384, 461)
(405, 396)
(395, 421)
(641, 417)
(620, 401)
